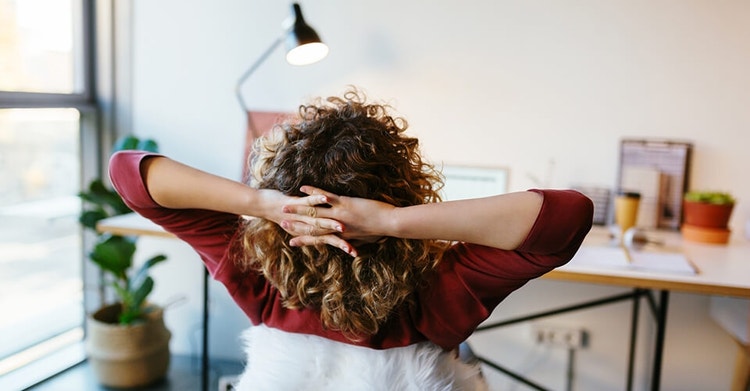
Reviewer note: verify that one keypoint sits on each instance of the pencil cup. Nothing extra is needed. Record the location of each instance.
(626, 210)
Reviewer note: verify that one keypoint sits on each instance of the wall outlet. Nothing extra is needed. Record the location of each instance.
(567, 337)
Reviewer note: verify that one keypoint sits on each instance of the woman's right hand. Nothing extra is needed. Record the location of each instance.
(356, 220)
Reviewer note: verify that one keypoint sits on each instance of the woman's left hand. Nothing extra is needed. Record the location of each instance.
(301, 220)
(356, 220)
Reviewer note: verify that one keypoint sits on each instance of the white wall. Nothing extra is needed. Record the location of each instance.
(545, 88)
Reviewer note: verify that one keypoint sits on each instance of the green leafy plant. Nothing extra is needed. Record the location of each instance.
(113, 253)
(710, 197)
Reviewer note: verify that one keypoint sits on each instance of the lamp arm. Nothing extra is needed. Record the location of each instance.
(253, 68)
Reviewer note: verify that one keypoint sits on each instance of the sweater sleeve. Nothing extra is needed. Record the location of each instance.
(208, 232)
(473, 279)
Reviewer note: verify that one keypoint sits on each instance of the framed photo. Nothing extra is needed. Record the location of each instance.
(462, 182)
(658, 170)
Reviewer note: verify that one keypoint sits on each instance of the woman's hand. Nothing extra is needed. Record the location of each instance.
(335, 220)
(299, 217)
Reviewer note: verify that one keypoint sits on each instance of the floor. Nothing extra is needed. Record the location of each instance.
(184, 374)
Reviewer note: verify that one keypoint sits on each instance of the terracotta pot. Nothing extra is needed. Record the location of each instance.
(692, 233)
(127, 356)
(702, 214)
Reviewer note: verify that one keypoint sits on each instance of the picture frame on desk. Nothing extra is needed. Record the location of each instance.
(659, 170)
(462, 182)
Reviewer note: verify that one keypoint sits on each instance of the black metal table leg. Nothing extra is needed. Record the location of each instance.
(661, 328)
(633, 337)
(204, 350)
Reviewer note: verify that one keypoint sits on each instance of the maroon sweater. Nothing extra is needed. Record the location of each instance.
(471, 279)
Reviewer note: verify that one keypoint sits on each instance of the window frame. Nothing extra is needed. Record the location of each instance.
(85, 100)
(105, 63)
(37, 100)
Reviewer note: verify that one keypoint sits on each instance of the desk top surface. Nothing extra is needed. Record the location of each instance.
(721, 269)
(131, 224)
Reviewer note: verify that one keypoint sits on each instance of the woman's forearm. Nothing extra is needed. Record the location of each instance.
(175, 185)
(501, 221)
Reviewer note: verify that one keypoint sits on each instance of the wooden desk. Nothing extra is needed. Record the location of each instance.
(131, 224)
(722, 269)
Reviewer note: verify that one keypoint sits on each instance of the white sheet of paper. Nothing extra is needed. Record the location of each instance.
(615, 257)
(662, 262)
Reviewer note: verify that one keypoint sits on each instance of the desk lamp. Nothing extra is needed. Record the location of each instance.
(303, 47)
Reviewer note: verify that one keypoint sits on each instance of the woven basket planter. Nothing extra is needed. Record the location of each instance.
(127, 356)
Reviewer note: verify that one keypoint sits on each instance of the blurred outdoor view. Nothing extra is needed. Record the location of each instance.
(40, 165)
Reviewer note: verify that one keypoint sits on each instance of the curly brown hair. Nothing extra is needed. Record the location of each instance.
(352, 148)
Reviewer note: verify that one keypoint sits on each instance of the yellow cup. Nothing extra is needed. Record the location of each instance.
(626, 210)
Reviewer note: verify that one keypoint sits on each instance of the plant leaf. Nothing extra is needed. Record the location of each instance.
(90, 218)
(141, 292)
(98, 194)
(148, 145)
(114, 254)
(125, 143)
(142, 272)
(123, 293)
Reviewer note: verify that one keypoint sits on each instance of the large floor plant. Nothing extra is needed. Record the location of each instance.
(113, 254)
(127, 343)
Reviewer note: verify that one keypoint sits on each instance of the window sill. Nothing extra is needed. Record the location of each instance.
(44, 368)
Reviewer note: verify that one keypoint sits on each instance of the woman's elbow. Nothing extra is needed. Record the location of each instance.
(585, 213)
(580, 220)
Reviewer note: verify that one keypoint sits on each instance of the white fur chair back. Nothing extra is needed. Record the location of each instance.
(278, 361)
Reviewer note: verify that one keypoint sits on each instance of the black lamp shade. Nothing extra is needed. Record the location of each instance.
(303, 43)
(303, 47)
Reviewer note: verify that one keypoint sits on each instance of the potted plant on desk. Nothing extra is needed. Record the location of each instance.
(706, 216)
(127, 342)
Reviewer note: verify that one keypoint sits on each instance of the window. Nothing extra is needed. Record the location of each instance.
(46, 112)
(40, 46)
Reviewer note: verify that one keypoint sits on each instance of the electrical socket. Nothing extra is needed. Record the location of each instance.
(568, 337)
